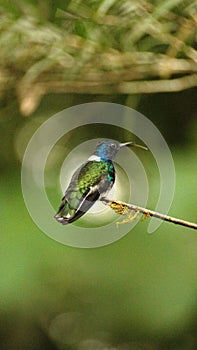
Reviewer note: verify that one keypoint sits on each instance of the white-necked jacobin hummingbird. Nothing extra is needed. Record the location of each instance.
(90, 181)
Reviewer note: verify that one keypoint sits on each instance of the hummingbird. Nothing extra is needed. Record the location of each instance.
(90, 181)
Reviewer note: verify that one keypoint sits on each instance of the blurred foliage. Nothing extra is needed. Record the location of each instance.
(139, 293)
(96, 47)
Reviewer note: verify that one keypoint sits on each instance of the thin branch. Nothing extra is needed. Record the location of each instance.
(30, 97)
(124, 208)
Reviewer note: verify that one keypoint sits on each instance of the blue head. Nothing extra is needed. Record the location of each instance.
(107, 149)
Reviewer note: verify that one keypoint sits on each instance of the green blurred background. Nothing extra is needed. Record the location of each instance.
(140, 292)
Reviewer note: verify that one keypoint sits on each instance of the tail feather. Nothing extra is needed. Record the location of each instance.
(67, 214)
(63, 214)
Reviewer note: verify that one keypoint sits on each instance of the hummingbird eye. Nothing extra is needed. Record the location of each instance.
(113, 145)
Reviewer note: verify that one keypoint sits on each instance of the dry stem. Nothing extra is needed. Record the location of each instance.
(123, 208)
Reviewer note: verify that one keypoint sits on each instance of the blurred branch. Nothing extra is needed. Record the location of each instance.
(102, 48)
(126, 209)
(30, 97)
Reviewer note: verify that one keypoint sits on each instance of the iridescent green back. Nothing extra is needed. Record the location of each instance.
(89, 181)
(92, 173)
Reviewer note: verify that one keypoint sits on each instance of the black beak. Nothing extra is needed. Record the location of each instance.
(133, 144)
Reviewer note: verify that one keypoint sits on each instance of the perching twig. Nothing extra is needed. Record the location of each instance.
(123, 208)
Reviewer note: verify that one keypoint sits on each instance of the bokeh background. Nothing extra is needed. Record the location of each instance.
(140, 292)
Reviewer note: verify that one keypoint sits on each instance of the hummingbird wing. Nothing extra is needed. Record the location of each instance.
(87, 184)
